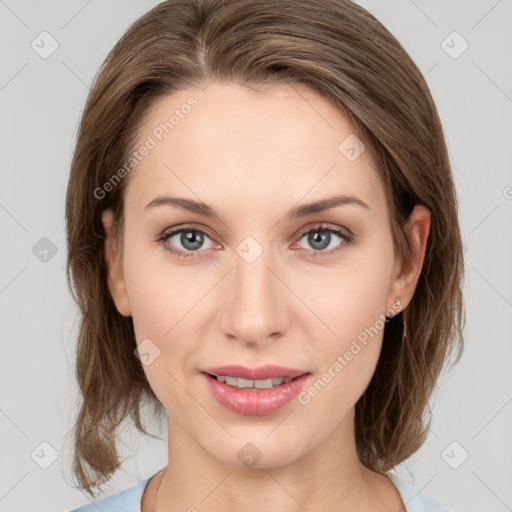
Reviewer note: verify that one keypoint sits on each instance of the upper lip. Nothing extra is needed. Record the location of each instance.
(261, 373)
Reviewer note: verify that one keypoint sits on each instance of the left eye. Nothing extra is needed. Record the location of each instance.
(320, 238)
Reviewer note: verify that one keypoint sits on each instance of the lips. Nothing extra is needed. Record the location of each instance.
(254, 401)
(261, 373)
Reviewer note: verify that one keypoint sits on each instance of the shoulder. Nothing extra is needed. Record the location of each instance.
(414, 500)
(125, 501)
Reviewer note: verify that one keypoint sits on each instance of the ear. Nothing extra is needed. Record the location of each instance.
(407, 273)
(115, 281)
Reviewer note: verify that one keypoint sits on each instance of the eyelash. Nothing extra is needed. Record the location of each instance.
(342, 233)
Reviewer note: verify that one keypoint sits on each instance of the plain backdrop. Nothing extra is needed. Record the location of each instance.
(464, 50)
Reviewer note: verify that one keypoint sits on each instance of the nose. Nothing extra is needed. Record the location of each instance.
(253, 301)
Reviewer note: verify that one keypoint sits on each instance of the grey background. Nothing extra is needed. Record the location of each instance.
(40, 102)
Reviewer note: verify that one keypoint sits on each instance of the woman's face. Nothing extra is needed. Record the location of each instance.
(267, 283)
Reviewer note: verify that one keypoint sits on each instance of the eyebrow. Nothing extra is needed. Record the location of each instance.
(295, 213)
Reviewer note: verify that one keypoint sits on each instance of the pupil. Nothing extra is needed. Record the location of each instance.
(321, 239)
(191, 237)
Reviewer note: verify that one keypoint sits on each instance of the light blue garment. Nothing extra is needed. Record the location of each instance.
(129, 499)
(413, 500)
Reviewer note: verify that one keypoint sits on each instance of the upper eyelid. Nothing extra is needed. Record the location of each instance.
(174, 231)
(319, 225)
(325, 226)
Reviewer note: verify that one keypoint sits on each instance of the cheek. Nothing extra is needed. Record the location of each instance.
(160, 294)
(353, 305)
(353, 302)
(347, 360)
(165, 305)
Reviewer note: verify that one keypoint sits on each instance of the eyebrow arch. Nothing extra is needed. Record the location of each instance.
(325, 204)
(298, 212)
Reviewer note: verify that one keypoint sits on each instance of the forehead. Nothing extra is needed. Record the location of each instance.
(229, 142)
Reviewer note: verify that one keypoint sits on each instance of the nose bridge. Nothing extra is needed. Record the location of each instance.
(252, 305)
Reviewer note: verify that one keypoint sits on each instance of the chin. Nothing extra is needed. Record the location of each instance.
(257, 451)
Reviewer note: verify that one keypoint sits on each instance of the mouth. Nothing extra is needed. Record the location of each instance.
(262, 373)
(240, 383)
(254, 392)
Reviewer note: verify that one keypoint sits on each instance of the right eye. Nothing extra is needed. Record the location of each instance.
(191, 239)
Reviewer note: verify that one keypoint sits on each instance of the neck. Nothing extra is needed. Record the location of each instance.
(328, 477)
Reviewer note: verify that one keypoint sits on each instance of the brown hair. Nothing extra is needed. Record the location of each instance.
(343, 53)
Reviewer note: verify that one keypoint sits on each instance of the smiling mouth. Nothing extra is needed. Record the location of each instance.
(240, 383)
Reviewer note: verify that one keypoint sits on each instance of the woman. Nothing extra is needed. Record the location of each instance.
(263, 243)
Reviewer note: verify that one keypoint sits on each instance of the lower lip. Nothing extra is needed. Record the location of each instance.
(255, 402)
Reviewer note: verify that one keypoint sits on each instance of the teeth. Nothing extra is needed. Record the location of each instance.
(238, 382)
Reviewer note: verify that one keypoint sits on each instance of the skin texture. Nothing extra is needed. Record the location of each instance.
(253, 157)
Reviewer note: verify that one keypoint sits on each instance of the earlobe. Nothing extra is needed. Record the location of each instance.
(417, 231)
(115, 281)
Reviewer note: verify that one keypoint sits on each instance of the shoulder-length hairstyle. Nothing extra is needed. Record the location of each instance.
(340, 51)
